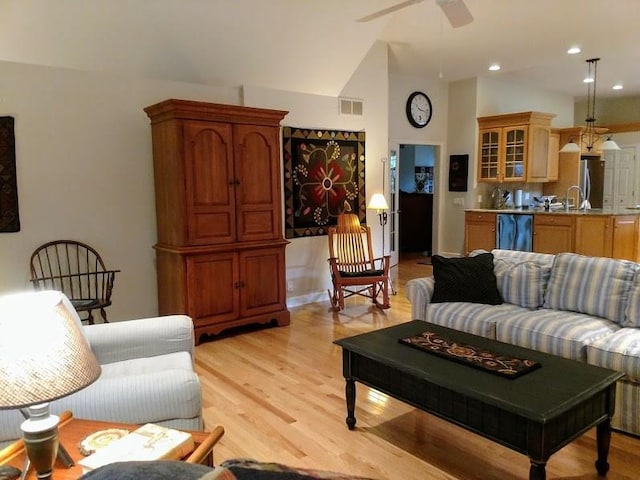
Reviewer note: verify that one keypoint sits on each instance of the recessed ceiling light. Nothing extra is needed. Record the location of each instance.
(588, 80)
(617, 86)
(574, 50)
(494, 68)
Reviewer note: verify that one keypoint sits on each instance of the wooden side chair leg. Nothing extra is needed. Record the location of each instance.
(103, 314)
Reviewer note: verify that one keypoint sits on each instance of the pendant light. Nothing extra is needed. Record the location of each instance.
(590, 135)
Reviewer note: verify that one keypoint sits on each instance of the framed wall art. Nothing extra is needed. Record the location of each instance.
(9, 218)
(323, 177)
(458, 172)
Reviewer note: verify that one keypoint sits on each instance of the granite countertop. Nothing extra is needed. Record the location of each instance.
(562, 211)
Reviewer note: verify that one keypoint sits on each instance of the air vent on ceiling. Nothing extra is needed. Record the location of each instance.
(350, 106)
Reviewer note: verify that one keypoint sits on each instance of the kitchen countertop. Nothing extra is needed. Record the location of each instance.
(594, 211)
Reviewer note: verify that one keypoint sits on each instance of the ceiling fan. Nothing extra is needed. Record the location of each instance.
(455, 10)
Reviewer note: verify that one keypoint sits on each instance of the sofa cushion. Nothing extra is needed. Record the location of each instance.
(592, 285)
(514, 256)
(523, 283)
(552, 331)
(465, 279)
(619, 351)
(470, 317)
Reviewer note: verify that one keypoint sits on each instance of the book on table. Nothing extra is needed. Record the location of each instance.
(148, 442)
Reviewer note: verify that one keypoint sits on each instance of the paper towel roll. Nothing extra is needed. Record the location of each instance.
(518, 199)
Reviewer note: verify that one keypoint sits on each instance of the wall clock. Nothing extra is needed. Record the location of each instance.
(419, 109)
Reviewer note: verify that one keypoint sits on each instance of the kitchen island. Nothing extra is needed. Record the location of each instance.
(607, 232)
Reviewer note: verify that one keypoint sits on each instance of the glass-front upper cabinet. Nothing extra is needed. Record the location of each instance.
(505, 152)
(490, 140)
(515, 154)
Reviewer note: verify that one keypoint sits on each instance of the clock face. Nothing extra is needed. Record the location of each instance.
(419, 109)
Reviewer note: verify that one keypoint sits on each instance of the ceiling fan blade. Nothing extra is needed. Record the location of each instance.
(386, 11)
(456, 12)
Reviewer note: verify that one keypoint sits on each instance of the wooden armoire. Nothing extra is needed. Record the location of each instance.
(220, 251)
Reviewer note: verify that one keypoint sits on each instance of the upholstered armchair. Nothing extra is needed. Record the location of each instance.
(147, 376)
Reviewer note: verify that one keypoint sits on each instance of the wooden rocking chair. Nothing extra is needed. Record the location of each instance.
(354, 270)
(77, 270)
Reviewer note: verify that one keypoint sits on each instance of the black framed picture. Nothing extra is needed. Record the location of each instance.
(458, 172)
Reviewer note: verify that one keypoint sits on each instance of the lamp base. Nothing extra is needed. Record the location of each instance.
(40, 436)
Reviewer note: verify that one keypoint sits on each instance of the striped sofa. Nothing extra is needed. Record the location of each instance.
(583, 308)
(147, 376)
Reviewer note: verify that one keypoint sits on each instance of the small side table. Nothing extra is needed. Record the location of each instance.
(73, 430)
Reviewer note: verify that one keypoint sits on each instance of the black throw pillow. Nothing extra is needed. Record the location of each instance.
(465, 279)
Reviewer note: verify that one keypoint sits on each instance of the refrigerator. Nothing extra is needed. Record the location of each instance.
(592, 179)
(514, 231)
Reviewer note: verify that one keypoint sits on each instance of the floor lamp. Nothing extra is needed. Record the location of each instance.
(379, 204)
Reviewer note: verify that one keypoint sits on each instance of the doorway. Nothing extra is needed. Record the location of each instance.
(413, 187)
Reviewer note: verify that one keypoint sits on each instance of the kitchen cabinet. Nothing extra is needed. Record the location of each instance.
(220, 252)
(553, 233)
(607, 236)
(480, 231)
(515, 148)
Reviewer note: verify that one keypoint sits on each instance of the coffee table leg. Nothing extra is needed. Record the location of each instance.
(604, 439)
(537, 471)
(350, 394)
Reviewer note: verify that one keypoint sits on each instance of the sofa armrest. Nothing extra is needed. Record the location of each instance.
(419, 292)
(147, 337)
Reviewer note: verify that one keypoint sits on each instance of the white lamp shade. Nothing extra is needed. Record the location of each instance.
(378, 202)
(44, 355)
(570, 147)
(609, 145)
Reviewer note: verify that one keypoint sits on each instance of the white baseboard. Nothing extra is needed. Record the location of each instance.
(313, 297)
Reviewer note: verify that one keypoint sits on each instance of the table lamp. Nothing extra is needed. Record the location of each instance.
(43, 356)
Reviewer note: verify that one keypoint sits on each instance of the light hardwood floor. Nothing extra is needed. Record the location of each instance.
(279, 393)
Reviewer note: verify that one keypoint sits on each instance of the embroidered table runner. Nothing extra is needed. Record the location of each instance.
(506, 366)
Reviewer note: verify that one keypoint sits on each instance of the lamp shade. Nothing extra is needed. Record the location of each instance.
(609, 145)
(570, 147)
(44, 355)
(378, 202)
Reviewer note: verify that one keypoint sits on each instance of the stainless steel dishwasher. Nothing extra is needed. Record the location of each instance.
(514, 231)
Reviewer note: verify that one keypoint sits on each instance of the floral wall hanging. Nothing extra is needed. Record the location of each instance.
(323, 177)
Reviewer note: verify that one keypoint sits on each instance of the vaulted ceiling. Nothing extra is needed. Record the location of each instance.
(315, 46)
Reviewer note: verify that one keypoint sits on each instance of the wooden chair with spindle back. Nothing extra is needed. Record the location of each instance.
(354, 269)
(77, 270)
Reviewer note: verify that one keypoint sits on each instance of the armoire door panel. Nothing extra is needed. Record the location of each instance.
(213, 226)
(262, 273)
(212, 280)
(256, 223)
(210, 182)
(257, 166)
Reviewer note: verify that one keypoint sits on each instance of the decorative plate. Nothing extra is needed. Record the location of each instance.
(99, 439)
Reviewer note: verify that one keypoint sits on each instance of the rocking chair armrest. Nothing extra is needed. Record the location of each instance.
(385, 262)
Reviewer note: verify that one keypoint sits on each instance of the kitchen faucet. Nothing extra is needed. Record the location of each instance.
(581, 200)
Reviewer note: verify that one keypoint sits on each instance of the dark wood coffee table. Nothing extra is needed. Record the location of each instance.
(535, 414)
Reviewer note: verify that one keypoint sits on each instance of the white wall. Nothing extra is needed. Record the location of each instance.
(85, 171)
(435, 133)
(85, 168)
(307, 267)
(610, 110)
(496, 96)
